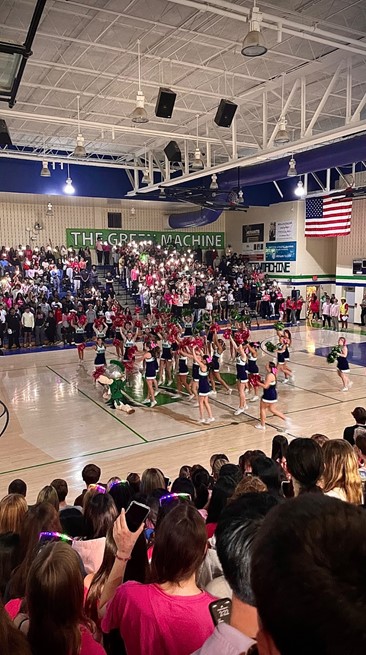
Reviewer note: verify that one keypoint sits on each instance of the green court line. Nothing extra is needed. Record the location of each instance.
(100, 406)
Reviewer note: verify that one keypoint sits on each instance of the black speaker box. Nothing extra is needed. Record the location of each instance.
(5, 139)
(165, 103)
(225, 113)
(172, 151)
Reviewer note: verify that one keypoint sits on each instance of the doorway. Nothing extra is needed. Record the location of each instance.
(349, 294)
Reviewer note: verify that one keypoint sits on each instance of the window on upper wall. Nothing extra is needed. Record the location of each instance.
(115, 219)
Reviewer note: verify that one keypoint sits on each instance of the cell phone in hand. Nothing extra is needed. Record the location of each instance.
(220, 610)
(136, 513)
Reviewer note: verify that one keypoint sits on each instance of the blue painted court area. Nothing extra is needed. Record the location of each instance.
(356, 353)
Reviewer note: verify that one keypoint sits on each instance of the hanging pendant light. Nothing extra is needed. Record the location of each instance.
(292, 172)
(146, 174)
(300, 190)
(241, 197)
(139, 114)
(282, 135)
(253, 44)
(79, 151)
(214, 185)
(45, 171)
(162, 194)
(197, 163)
(69, 188)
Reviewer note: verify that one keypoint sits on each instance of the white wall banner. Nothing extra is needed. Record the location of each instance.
(281, 231)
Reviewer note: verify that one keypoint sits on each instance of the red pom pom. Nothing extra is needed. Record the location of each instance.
(138, 324)
(254, 379)
(227, 333)
(99, 322)
(137, 309)
(116, 342)
(81, 347)
(214, 327)
(100, 370)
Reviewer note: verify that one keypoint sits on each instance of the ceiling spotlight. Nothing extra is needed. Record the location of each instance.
(139, 114)
(79, 151)
(45, 171)
(253, 44)
(282, 135)
(68, 188)
(292, 172)
(300, 190)
(214, 185)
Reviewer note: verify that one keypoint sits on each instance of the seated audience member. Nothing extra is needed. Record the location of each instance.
(214, 457)
(170, 614)
(183, 486)
(201, 481)
(245, 460)
(135, 482)
(184, 472)
(49, 495)
(359, 414)
(62, 490)
(55, 620)
(236, 531)
(320, 439)
(122, 494)
(111, 482)
(305, 464)
(217, 463)
(222, 491)
(100, 513)
(308, 578)
(90, 475)
(18, 487)
(231, 471)
(270, 473)
(151, 480)
(13, 508)
(279, 450)
(360, 446)
(9, 542)
(13, 642)
(250, 484)
(341, 478)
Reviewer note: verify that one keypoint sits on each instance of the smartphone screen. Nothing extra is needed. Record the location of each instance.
(136, 514)
(220, 610)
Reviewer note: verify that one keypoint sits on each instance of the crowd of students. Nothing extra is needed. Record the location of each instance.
(263, 556)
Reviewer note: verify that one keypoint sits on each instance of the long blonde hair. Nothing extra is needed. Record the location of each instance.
(13, 508)
(341, 470)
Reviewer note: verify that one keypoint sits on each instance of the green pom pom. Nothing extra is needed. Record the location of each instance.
(270, 347)
(278, 326)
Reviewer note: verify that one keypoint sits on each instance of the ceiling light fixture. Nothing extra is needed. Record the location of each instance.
(282, 135)
(253, 44)
(300, 190)
(292, 172)
(146, 174)
(214, 185)
(79, 151)
(241, 197)
(45, 171)
(49, 211)
(197, 163)
(162, 194)
(68, 188)
(139, 114)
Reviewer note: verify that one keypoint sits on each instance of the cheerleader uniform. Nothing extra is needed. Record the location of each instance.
(241, 370)
(100, 356)
(287, 354)
(252, 364)
(270, 394)
(195, 372)
(281, 357)
(100, 335)
(166, 354)
(128, 345)
(79, 335)
(150, 371)
(342, 364)
(188, 329)
(203, 385)
(183, 368)
(216, 361)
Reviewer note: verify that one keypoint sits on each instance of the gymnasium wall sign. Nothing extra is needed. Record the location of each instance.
(282, 251)
(76, 237)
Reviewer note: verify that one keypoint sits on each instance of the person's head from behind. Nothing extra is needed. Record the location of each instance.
(180, 545)
(305, 463)
(319, 438)
(135, 482)
(184, 472)
(49, 495)
(151, 479)
(216, 456)
(183, 485)
(231, 471)
(245, 460)
(236, 530)
(308, 578)
(122, 494)
(13, 508)
(269, 472)
(100, 512)
(201, 482)
(359, 414)
(222, 491)
(341, 470)
(54, 597)
(91, 474)
(18, 486)
(61, 489)
(279, 448)
(250, 484)
(360, 441)
(216, 466)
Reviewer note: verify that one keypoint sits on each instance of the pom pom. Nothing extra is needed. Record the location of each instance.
(100, 370)
(99, 322)
(137, 309)
(82, 320)
(270, 347)
(81, 347)
(116, 342)
(254, 379)
(214, 327)
(334, 353)
(279, 326)
(138, 324)
(227, 333)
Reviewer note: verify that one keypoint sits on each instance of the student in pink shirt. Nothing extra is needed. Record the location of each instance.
(169, 616)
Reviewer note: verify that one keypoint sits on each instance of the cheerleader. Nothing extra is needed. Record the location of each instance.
(269, 397)
(80, 336)
(182, 373)
(118, 337)
(166, 359)
(128, 353)
(253, 370)
(188, 326)
(287, 339)
(100, 353)
(218, 348)
(149, 357)
(100, 328)
(342, 364)
(281, 363)
(193, 387)
(203, 386)
(241, 375)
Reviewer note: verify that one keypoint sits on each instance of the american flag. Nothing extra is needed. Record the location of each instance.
(329, 216)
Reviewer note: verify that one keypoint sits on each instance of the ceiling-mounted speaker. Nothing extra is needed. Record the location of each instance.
(172, 151)
(225, 113)
(165, 103)
(5, 139)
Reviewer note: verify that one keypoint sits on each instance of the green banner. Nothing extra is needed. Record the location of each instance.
(76, 237)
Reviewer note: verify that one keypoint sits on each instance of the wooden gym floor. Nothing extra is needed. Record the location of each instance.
(59, 421)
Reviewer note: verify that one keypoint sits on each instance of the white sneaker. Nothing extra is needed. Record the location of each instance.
(292, 378)
(177, 395)
(196, 405)
(285, 381)
(191, 396)
(245, 407)
(168, 384)
(146, 401)
(229, 392)
(201, 420)
(350, 384)
(153, 403)
(240, 410)
(345, 389)
(212, 393)
(254, 399)
(210, 420)
(258, 426)
(156, 393)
